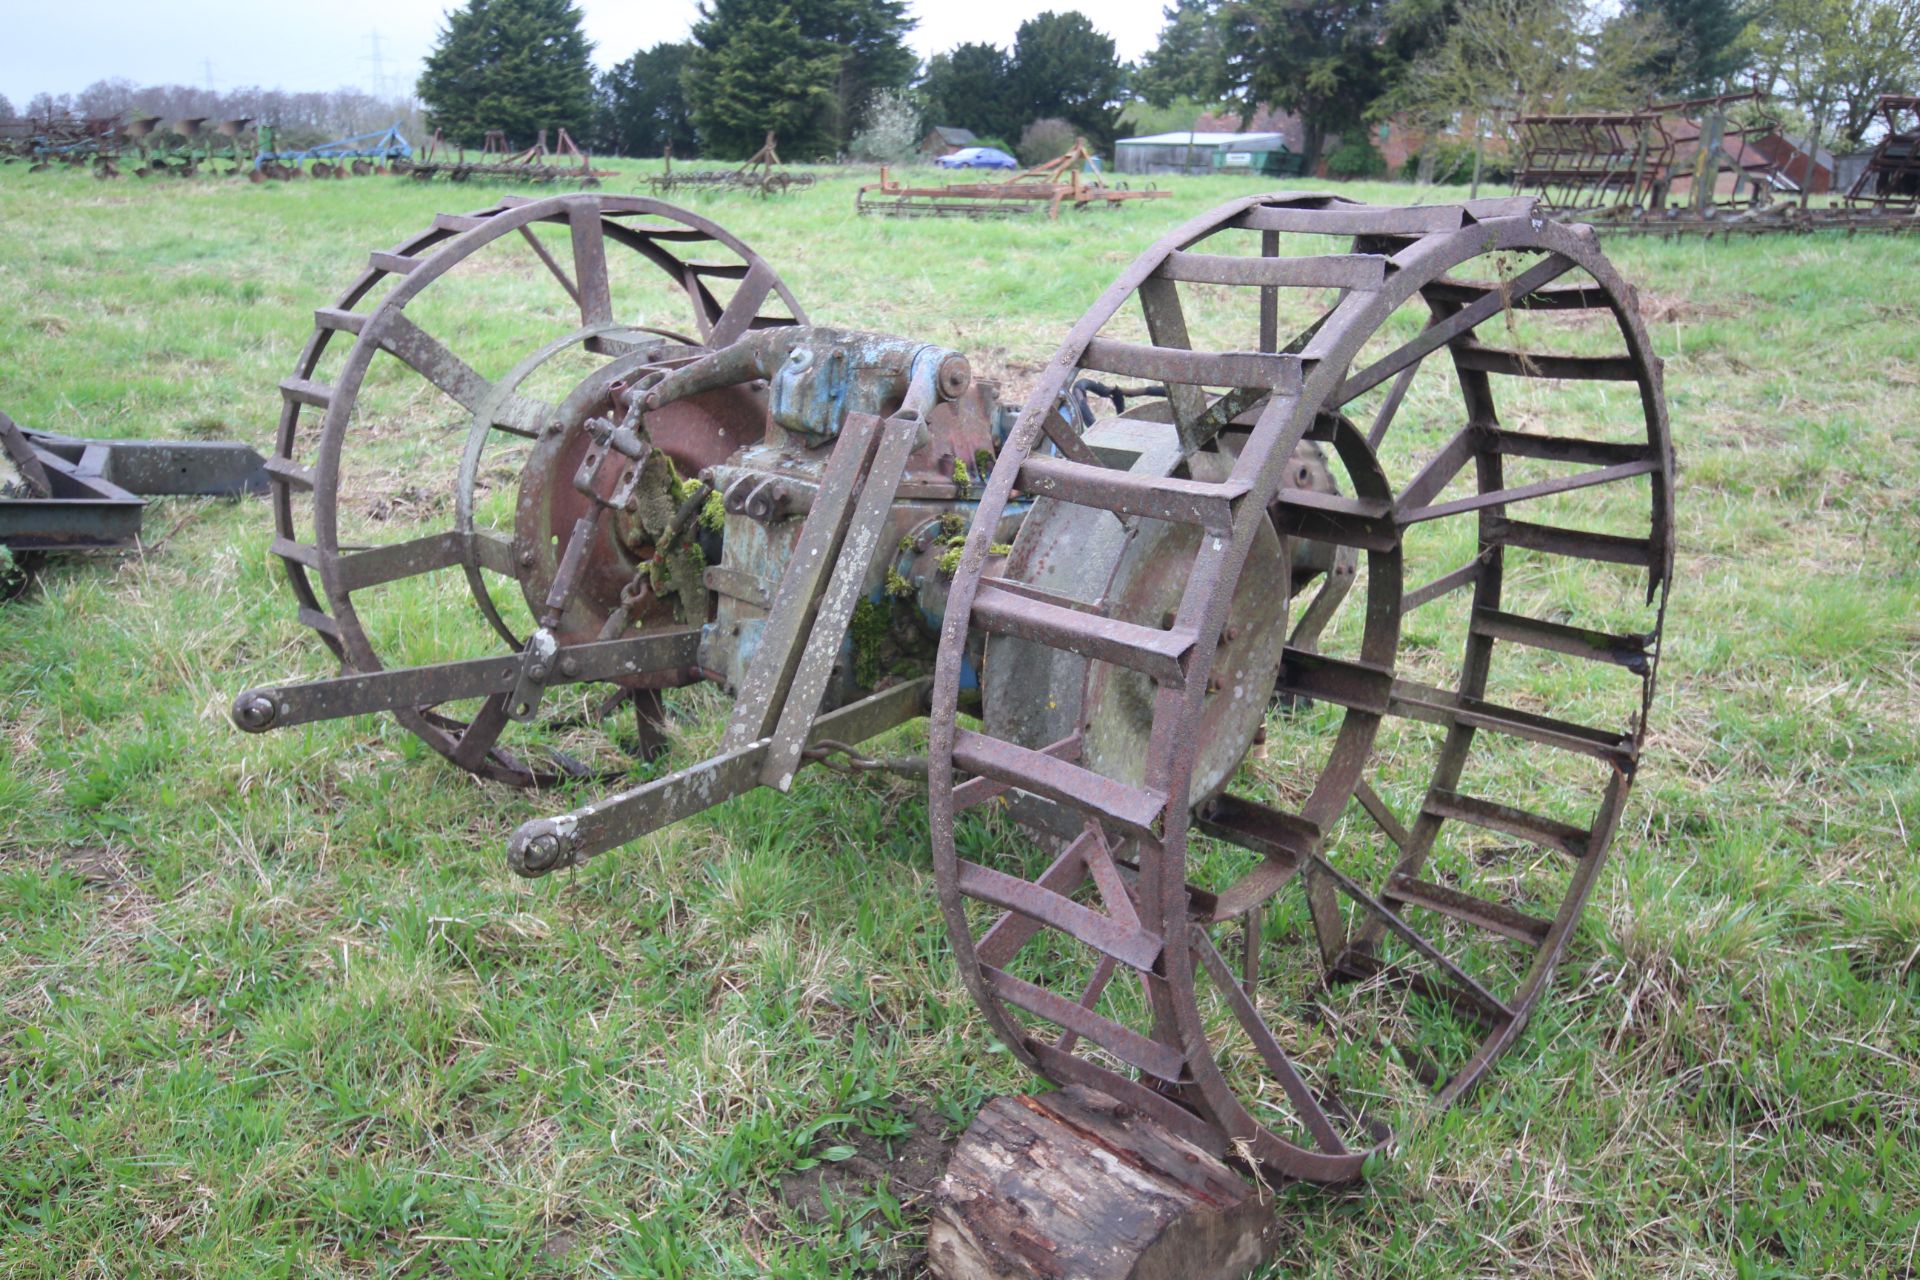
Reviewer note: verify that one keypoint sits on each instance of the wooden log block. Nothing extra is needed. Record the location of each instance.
(1076, 1186)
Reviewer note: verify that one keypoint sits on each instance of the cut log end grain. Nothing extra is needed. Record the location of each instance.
(1076, 1186)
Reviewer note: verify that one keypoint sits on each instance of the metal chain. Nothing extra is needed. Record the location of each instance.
(824, 751)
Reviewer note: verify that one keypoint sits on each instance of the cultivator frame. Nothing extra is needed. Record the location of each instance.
(1060, 181)
(869, 541)
(360, 156)
(762, 173)
(538, 164)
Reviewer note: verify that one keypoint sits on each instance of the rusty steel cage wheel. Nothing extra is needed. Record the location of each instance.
(497, 513)
(1395, 856)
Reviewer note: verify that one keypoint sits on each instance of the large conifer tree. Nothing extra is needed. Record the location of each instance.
(1062, 67)
(802, 68)
(517, 65)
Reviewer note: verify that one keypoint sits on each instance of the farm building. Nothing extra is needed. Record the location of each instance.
(944, 140)
(1202, 151)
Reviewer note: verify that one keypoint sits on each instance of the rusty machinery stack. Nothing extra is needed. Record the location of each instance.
(1710, 165)
(141, 145)
(192, 146)
(1060, 181)
(111, 146)
(1278, 726)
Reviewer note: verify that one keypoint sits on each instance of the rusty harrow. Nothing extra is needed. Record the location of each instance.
(762, 173)
(538, 164)
(1278, 725)
(1059, 182)
(1684, 168)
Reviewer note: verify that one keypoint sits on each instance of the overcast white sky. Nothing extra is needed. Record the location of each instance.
(62, 48)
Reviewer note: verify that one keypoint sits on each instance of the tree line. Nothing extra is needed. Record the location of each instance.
(1342, 65)
(836, 77)
(830, 77)
(298, 119)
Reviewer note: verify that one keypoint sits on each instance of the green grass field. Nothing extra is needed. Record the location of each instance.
(275, 1006)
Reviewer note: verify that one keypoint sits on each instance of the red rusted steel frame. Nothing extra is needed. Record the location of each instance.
(1892, 172)
(1625, 163)
(1156, 931)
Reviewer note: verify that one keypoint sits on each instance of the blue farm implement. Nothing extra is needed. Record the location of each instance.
(359, 156)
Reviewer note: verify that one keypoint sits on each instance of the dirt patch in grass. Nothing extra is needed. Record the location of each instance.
(906, 1165)
(101, 867)
(1670, 308)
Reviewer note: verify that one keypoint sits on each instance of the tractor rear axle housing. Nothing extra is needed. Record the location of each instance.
(1288, 706)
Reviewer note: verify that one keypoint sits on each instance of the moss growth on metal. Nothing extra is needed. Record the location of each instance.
(867, 633)
(960, 476)
(713, 515)
(953, 525)
(680, 574)
(899, 586)
(949, 561)
(676, 572)
(983, 463)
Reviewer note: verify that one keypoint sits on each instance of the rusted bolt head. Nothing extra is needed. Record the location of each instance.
(538, 671)
(570, 666)
(540, 853)
(954, 377)
(526, 559)
(255, 711)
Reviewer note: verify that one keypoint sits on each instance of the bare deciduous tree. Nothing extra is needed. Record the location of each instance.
(1524, 56)
(1834, 58)
(1504, 58)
